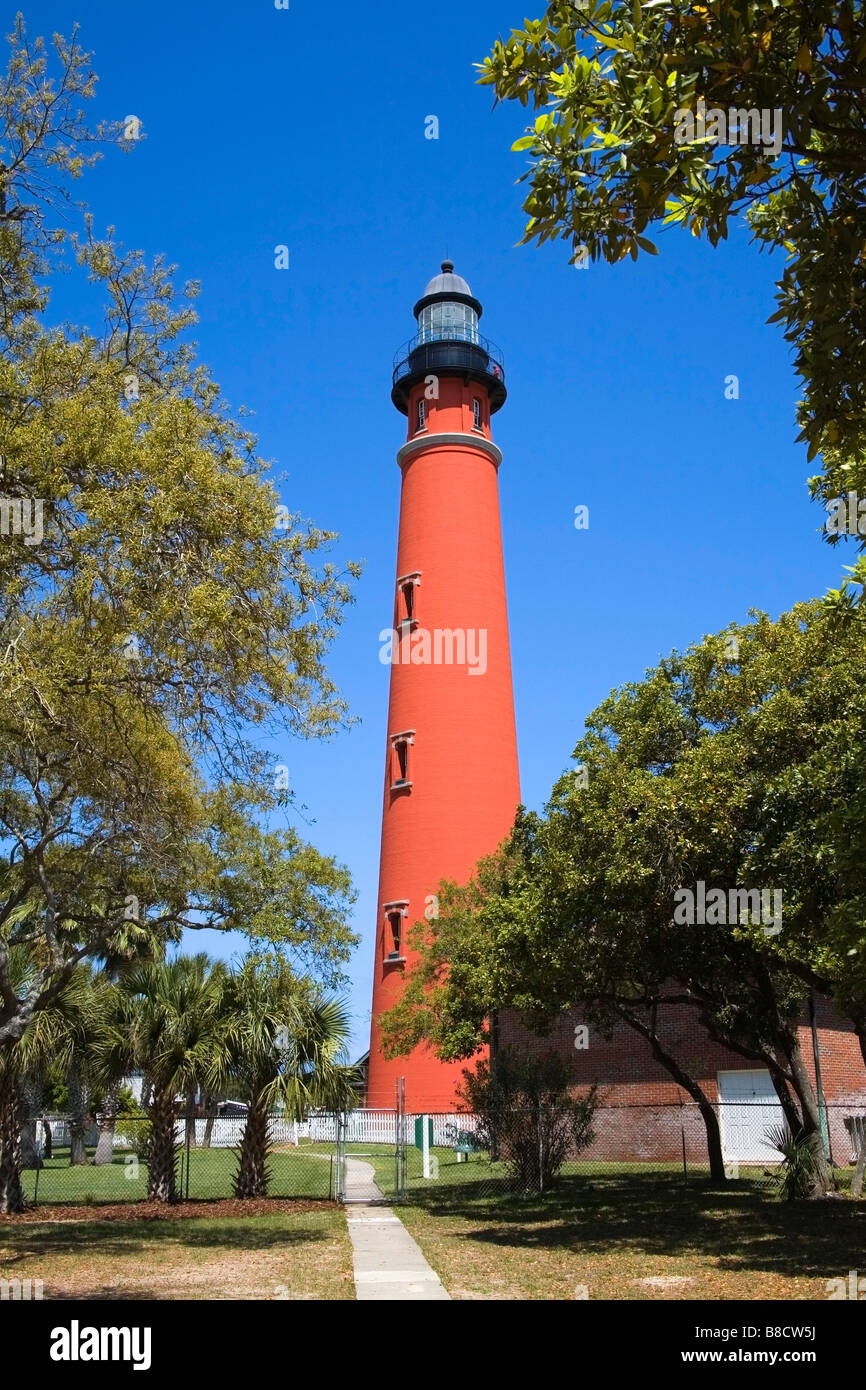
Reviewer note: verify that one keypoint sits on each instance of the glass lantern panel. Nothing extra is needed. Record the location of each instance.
(448, 320)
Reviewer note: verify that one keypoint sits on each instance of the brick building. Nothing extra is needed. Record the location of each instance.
(644, 1115)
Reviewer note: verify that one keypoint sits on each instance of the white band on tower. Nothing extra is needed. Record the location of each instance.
(472, 441)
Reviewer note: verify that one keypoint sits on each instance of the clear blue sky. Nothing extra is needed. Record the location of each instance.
(306, 127)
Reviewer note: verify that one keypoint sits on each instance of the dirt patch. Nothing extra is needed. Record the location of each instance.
(159, 1211)
(664, 1282)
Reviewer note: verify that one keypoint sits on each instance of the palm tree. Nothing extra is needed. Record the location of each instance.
(11, 1192)
(13, 1066)
(283, 1046)
(44, 1043)
(164, 1018)
(133, 942)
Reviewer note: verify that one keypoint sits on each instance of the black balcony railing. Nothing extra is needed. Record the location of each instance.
(458, 351)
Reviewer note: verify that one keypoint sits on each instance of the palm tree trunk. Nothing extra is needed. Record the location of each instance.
(107, 1122)
(78, 1102)
(30, 1093)
(251, 1178)
(29, 1152)
(11, 1192)
(211, 1112)
(189, 1128)
(162, 1149)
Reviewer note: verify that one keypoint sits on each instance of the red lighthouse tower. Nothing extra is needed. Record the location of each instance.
(451, 781)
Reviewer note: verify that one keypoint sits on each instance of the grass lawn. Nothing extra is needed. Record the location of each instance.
(612, 1228)
(288, 1254)
(303, 1172)
(617, 1231)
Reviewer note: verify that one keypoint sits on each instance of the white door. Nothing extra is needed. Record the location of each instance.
(748, 1107)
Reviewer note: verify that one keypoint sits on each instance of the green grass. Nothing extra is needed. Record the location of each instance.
(619, 1231)
(607, 1228)
(622, 1231)
(285, 1255)
(295, 1173)
(480, 1179)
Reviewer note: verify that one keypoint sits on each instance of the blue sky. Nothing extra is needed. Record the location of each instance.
(306, 128)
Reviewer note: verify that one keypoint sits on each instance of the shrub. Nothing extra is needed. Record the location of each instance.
(127, 1105)
(137, 1133)
(799, 1176)
(527, 1116)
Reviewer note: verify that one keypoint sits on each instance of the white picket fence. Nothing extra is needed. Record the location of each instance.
(363, 1127)
(227, 1132)
(380, 1127)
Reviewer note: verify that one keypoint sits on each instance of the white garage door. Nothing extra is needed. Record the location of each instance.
(748, 1107)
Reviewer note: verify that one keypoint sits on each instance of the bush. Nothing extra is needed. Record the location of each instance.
(527, 1116)
(799, 1176)
(127, 1105)
(137, 1134)
(133, 1124)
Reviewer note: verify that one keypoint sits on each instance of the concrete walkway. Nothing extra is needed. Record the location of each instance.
(389, 1265)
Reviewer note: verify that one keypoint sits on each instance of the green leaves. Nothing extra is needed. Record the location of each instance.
(622, 44)
(171, 608)
(628, 72)
(737, 763)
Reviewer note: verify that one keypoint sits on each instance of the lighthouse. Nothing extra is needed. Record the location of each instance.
(451, 781)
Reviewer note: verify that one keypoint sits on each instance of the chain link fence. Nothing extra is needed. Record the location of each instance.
(463, 1159)
(382, 1155)
(65, 1161)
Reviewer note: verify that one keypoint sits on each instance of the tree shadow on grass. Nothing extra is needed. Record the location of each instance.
(111, 1293)
(119, 1238)
(741, 1228)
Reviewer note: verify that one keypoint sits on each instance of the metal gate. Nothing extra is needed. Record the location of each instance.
(400, 1135)
(352, 1134)
(338, 1159)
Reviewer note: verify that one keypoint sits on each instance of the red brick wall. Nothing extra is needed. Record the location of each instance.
(644, 1115)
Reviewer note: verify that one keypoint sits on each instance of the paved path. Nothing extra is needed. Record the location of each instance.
(389, 1265)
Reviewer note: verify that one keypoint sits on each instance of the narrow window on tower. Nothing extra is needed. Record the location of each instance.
(476, 410)
(401, 776)
(407, 600)
(422, 414)
(394, 915)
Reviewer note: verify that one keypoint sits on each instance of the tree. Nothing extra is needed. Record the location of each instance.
(283, 1047)
(517, 936)
(157, 609)
(45, 1048)
(11, 1192)
(133, 943)
(734, 764)
(76, 1060)
(164, 1018)
(691, 115)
